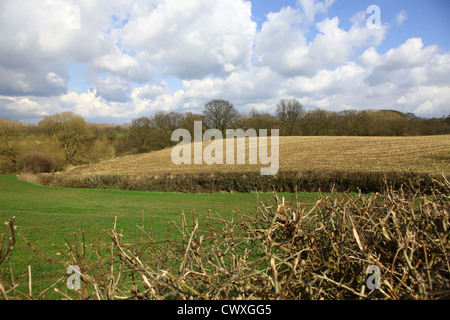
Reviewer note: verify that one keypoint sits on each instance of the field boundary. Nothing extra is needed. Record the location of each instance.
(248, 182)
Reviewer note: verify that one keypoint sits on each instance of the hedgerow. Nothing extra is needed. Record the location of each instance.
(284, 181)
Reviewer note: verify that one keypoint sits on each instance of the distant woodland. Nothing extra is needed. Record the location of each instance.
(66, 139)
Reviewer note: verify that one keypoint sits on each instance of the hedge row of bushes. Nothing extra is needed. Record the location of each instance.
(284, 181)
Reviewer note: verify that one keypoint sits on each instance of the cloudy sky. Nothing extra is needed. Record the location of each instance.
(116, 60)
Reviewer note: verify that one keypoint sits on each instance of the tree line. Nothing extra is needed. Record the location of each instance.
(65, 139)
(291, 118)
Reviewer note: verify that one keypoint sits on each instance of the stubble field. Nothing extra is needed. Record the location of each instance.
(429, 154)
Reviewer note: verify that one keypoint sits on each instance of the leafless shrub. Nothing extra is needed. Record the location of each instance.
(35, 162)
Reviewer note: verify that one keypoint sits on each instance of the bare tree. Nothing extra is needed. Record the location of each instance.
(141, 134)
(164, 124)
(188, 121)
(289, 111)
(259, 120)
(167, 121)
(219, 114)
(68, 129)
(318, 122)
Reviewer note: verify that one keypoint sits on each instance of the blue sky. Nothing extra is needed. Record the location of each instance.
(428, 20)
(115, 60)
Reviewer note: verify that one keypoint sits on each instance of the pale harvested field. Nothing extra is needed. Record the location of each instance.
(429, 154)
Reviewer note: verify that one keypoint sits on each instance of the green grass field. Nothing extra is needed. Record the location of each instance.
(44, 216)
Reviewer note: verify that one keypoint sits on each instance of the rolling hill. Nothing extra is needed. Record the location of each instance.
(427, 154)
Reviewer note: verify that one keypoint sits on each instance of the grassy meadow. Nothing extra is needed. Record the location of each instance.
(46, 216)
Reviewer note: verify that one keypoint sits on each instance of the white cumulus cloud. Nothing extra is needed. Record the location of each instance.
(134, 51)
